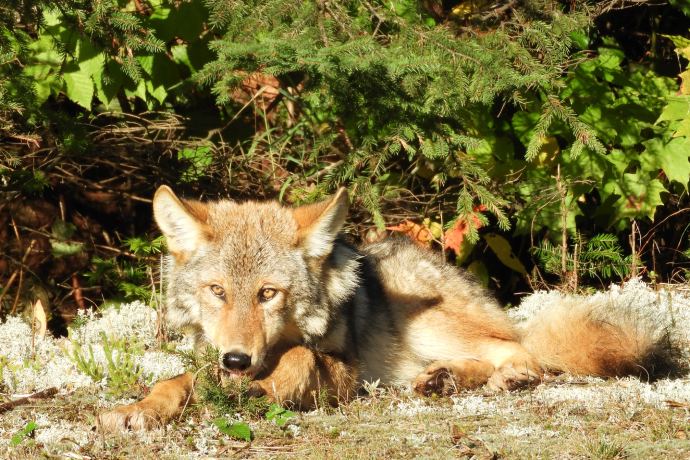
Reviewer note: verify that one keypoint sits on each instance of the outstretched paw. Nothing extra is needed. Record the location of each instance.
(137, 416)
(511, 377)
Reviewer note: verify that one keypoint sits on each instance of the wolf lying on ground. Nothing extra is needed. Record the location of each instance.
(293, 307)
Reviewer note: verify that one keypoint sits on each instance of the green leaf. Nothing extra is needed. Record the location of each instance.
(279, 414)
(63, 249)
(185, 22)
(79, 86)
(239, 430)
(109, 82)
(478, 269)
(501, 247)
(62, 230)
(180, 55)
(683, 128)
(671, 157)
(678, 108)
(90, 58)
(22, 434)
(638, 195)
(678, 40)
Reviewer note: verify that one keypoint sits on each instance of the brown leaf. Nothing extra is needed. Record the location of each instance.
(418, 233)
(264, 88)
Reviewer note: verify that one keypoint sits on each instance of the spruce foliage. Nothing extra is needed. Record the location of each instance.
(401, 92)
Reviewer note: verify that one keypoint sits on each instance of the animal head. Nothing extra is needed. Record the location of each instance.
(249, 276)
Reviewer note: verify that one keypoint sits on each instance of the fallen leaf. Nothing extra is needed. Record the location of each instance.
(501, 247)
(418, 233)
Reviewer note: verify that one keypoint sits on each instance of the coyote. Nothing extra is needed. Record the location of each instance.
(291, 305)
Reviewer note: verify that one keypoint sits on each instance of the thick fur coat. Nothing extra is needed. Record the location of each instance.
(290, 305)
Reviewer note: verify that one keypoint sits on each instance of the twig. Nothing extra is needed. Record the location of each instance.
(77, 292)
(19, 291)
(43, 394)
(634, 233)
(8, 285)
(14, 275)
(564, 224)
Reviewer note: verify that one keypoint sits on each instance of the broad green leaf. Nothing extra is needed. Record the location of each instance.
(678, 108)
(158, 93)
(79, 87)
(109, 82)
(238, 430)
(181, 56)
(637, 195)
(52, 17)
(43, 67)
(44, 51)
(146, 62)
(90, 58)
(678, 40)
(671, 157)
(501, 247)
(184, 21)
(683, 128)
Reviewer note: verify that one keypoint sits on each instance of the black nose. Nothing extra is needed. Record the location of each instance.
(236, 361)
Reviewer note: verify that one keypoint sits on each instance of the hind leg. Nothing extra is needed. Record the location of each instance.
(515, 367)
(447, 377)
(504, 365)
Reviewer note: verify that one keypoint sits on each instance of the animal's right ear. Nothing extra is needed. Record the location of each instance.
(180, 223)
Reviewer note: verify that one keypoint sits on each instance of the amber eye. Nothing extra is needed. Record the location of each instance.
(217, 290)
(266, 294)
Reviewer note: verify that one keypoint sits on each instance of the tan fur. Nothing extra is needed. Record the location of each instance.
(301, 374)
(389, 311)
(584, 338)
(166, 400)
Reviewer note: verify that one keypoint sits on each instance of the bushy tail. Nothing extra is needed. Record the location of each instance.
(583, 336)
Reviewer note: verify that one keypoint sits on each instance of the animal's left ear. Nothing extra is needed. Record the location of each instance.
(319, 223)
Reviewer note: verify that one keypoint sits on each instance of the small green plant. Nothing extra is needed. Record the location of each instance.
(600, 257)
(120, 370)
(21, 435)
(237, 430)
(279, 415)
(87, 364)
(144, 247)
(123, 371)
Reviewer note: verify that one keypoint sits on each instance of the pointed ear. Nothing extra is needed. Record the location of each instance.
(182, 223)
(319, 223)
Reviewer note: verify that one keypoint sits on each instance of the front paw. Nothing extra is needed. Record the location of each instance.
(138, 416)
